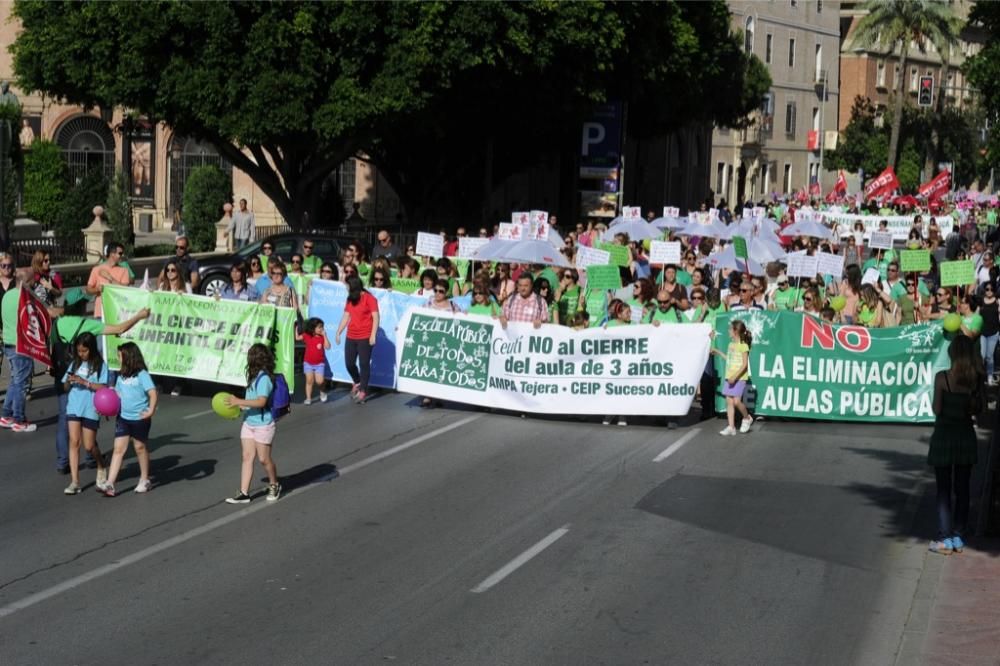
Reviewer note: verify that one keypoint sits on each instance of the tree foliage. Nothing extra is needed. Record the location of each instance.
(76, 211)
(303, 86)
(205, 191)
(46, 181)
(119, 211)
(891, 25)
(11, 164)
(983, 72)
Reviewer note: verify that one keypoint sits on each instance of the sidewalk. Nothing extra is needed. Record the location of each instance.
(962, 606)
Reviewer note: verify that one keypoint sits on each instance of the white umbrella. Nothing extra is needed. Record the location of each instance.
(555, 239)
(675, 223)
(764, 250)
(636, 230)
(808, 228)
(714, 229)
(727, 259)
(521, 252)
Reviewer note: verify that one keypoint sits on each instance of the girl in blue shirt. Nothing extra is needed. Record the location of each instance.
(83, 378)
(257, 433)
(138, 397)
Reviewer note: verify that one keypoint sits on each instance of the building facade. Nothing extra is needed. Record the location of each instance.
(781, 150)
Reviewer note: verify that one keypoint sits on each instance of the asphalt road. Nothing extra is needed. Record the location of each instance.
(460, 536)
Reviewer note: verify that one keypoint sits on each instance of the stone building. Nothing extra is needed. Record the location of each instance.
(781, 150)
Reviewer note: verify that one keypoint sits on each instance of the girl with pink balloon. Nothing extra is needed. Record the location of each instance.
(137, 393)
(85, 376)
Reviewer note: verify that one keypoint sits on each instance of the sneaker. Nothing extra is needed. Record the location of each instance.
(727, 431)
(957, 544)
(745, 426)
(354, 389)
(606, 420)
(273, 492)
(102, 476)
(24, 426)
(108, 490)
(176, 392)
(143, 486)
(6, 422)
(307, 402)
(102, 486)
(944, 547)
(991, 381)
(322, 396)
(239, 498)
(361, 397)
(62, 469)
(622, 421)
(72, 489)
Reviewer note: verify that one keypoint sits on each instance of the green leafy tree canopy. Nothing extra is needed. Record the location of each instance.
(205, 191)
(46, 181)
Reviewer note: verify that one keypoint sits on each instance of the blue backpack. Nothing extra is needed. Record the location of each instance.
(280, 400)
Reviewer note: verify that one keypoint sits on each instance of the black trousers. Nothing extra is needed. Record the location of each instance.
(353, 349)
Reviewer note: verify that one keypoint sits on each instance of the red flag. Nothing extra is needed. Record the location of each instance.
(814, 189)
(936, 186)
(33, 328)
(884, 183)
(839, 188)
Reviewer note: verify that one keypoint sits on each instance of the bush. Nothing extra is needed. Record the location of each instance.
(77, 210)
(46, 182)
(119, 212)
(157, 250)
(205, 192)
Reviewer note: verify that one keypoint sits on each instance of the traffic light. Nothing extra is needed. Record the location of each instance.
(925, 96)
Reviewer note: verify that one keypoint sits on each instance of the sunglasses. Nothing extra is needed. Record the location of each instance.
(296, 261)
(267, 247)
(255, 262)
(176, 247)
(567, 276)
(662, 303)
(6, 265)
(807, 300)
(46, 260)
(307, 247)
(378, 279)
(942, 294)
(910, 285)
(440, 291)
(171, 270)
(745, 291)
(277, 274)
(697, 298)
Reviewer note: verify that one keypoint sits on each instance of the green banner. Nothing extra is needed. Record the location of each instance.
(957, 273)
(405, 285)
(915, 261)
(619, 253)
(198, 337)
(803, 367)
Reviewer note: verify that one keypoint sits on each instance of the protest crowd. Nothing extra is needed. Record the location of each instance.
(892, 262)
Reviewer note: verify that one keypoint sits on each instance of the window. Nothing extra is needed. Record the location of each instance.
(880, 74)
(950, 87)
(790, 119)
(913, 78)
(787, 180)
(720, 178)
(819, 6)
(768, 49)
(767, 113)
(895, 77)
(765, 178)
(819, 63)
(816, 118)
(791, 52)
(748, 36)
(793, 3)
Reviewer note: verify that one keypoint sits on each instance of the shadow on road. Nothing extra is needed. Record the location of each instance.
(166, 470)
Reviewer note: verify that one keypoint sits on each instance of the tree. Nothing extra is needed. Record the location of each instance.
(119, 211)
(46, 181)
(288, 91)
(983, 72)
(205, 191)
(77, 208)
(893, 25)
(10, 162)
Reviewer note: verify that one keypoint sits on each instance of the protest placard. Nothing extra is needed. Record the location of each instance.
(603, 277)
(664, 252)
(955, 273)
(539, 217)
(429, 245)
(521, 218)
(915, 261)
(632, 212)
(590, 256)
(671, 211)
(881, 240)
(871, 276)
(740, 247)
(802, 266)
(619, 253)
(509, 231)
(468, 246)
(829, 264)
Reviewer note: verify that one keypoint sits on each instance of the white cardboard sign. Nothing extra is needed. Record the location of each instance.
(589, 256)
(536, 231)
(539, 217)
(509, 231)
(881, 240)
(670, 211)
(871, 276)
(520, 218)
(429, 245)
(830, 264)
(664, 252)
(632, 212)
(802, 266)
(468, 246)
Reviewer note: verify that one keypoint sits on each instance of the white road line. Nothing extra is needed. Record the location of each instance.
(520, 560)
(140, 555)
(197, 414)
(673, 448)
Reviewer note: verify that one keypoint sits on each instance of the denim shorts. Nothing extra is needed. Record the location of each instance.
(88, 424)
(319, 368)
(138, 429)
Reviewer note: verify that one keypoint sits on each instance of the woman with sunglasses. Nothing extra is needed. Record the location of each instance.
(905, 302)
(812, 303)
(569, 295)
(503, 284)
(439, 301)
(173, 279)
(48, 283)
(544, 289)
(256, 270)
(279, 292)
(296, 264)
(483, 303)
(941, 305)
(380, 278)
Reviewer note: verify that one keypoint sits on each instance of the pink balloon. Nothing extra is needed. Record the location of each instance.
(107, 402)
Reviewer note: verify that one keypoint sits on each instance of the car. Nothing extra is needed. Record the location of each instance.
(214, 270)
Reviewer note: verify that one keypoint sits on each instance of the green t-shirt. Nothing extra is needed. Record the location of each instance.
(311, 264)
(8, 315)
(487, 310)
(69, 326)
(692, 315)
(569, 302)
(899, 290)
(785, 299)
(684, 278)
(668, 317)
(711, 314)
(991, 217)
(974, 322)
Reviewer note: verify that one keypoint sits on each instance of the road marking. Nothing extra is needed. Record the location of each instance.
(520, 560)
(140, 555)
(673, 448)
(197, 414)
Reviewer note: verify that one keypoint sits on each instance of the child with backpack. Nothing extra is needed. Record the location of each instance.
(138, 397)
(82, 379)
(260, 403)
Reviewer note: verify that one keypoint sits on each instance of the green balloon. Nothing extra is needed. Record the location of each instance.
(222, 409)
(838, 303)
(952, 322)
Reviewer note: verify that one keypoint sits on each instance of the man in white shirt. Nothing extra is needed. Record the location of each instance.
(242, 226)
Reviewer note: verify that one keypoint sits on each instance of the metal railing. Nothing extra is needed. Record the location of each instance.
(59, 252)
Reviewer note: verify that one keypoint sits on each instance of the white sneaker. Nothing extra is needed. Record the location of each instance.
(745, 426)
(102, 486)
(307, 401)
(622, 421)
(606, 421)
(991, 381)
(322, 396)
(727, 431)
(102, 477)
(143, 486)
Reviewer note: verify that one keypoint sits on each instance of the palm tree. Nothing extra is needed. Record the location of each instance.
(892, 25)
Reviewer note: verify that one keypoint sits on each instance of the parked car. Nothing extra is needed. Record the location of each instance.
(214, 270)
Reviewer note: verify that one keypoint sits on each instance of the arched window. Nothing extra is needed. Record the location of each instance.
(87, 145)
(187, 154)
(748, 35)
